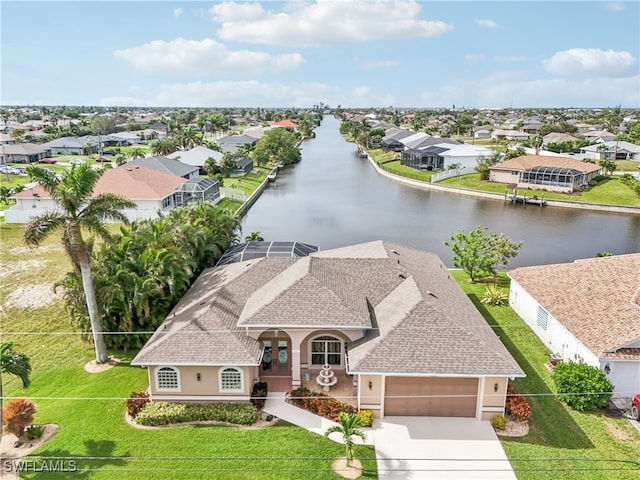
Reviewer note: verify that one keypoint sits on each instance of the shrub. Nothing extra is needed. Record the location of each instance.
(366, 418)
(34, 431)
(259, 395)
(17, 415)
(319, 403)
(499, 422)
(164, 413)
(519, 408)
(136, 402)
(581, 386)
(494, 296)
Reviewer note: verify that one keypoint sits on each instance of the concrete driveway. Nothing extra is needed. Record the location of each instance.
(438, 448)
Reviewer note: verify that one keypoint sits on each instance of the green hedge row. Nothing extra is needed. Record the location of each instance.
(164, 413)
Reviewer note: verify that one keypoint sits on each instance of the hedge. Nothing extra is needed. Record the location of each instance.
(164, 413)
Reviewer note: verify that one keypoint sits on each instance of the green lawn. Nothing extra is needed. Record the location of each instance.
(562, 443)
(89, 408)
(609, 192)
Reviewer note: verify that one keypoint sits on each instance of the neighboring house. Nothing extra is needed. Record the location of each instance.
(499, 134)
(557, 137)
(413, 140)
(6, 139)
(531, 128)
(243, 166)
(617, 150)
(598, 136)
(197, 190)
(154, 193)
(483, 132)
(197, 156)
(231, 143)
(586, 311)
(284, 124)
(69, 145)
(392, 140)
(541, 172)
(168, 165)
(390, 316)
(437, 153)
(23, 153)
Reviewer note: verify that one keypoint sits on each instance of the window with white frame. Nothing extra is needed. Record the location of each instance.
(326, 350)
(167, 379)
(230, 379)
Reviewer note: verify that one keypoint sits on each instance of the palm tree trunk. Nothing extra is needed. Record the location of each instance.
(92, 307)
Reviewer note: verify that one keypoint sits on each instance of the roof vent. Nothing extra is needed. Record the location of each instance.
(432, 294)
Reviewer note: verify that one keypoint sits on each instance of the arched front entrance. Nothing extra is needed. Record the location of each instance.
(275, 367)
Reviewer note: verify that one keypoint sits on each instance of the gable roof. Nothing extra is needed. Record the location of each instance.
(165, 165)
(68, 142)
(529, 161)
(285, 124)
(130, 181)
(197, 156)
(558, 137)
(404, 298)
(596, 299)
(24, 149)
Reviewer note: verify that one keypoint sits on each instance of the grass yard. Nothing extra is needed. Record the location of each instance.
(89, 408)
(562, 443)
(609, 192)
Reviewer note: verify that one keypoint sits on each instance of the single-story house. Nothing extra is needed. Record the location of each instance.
(197, 156)
(499, 134)
(542, 172)
(168, 165)
(284, 124)
(6, 139)
(598, 136)
(69, 145)
(586, 311)
(557, 137)
(389, 319)
(154, 193)
(437, 153)
(23, 153)
(483, 132)
(243, 166)
(618, 150)
(231, 143)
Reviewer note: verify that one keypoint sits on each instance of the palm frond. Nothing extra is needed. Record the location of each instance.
(40, 227)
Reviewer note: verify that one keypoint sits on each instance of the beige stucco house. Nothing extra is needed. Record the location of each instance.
(389, 319)
(544, 172)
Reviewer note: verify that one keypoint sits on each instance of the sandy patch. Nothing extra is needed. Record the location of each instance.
(29, 250)
(31, 296)
(348, 471)
(514, 429)
(95, 367)
(10, 453)
(12, 268)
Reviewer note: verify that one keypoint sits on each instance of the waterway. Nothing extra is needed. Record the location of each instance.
(333, 198)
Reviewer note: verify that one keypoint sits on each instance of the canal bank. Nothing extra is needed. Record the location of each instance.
(501, 197)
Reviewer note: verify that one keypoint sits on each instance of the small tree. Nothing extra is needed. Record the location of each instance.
(254, 237)
(17, 415)
(13, 363)
(581, 386)
(479, 254)
(348, 428)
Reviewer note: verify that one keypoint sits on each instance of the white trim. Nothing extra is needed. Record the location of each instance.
(459, 375)
(157, 383)
(179, 398)
(198, 364)
(221, 370)
(480, 397)
(310, 351)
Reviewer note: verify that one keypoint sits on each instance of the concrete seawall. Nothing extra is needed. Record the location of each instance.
(242, 210)
(500, 197)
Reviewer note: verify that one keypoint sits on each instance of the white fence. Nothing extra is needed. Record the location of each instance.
(232, 194)
(452, 173)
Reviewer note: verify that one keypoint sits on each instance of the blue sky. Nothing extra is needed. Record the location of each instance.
(399, 53)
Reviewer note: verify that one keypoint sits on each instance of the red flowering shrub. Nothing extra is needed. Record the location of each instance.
(518, 407)
(319, 403)
(136, 401)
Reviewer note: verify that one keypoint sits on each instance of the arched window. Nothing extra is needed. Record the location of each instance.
(167, 378)
(326, 349)
(231, 379)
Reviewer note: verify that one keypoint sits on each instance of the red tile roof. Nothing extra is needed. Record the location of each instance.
(284, 123)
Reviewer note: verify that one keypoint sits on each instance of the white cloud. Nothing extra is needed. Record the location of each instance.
(486, 23)
(576, 61)
(204, 57)
(510, 58)
(368, 64)
(177, 12)
(250, 94)
(474, 57)
(505, 91)
(616, 6)
(324, 22)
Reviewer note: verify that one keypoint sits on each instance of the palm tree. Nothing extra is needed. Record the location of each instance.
(348, 428)
(77, 210)
(14, 363)
(254, 237)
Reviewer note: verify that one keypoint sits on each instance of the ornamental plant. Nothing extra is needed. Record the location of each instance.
(17, 415)
(581, 386)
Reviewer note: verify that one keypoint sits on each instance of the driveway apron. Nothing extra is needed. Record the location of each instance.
(439, 448)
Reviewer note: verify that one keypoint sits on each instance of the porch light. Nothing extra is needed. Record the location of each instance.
(198, 377)
(495, 387)
(370, 385)
(607, 369)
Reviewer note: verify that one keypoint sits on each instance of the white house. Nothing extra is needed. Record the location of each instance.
(197, 156)
(586, 311)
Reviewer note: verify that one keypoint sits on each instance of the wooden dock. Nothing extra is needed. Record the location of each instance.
(523, 199)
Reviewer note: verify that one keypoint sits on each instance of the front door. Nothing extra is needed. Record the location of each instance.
(276, 359)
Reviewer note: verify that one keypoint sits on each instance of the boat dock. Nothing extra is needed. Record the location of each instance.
(523, 199)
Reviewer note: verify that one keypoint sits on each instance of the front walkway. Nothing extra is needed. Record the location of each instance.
(418, 447)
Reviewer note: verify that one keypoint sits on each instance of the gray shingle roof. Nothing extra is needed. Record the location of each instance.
(166, 165)
(417, 318)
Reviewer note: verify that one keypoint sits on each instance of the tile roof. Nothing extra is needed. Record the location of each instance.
(133, 182)
(529, 161)
(596, 299)
(422, 321)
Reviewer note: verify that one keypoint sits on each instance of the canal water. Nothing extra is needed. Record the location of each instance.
(334, 198)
